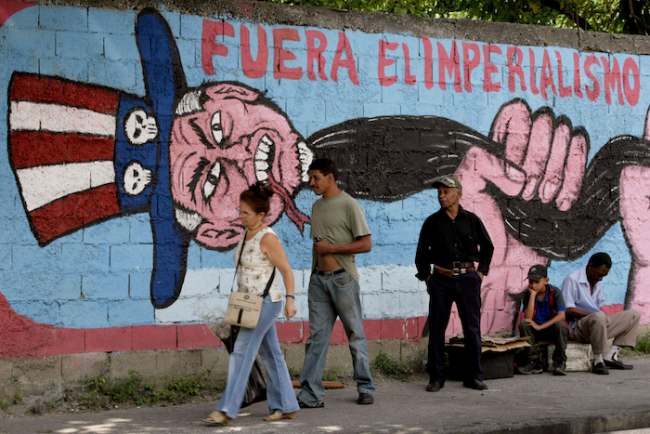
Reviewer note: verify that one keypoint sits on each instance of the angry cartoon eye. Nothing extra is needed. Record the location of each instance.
(217, 131)
(211, 181)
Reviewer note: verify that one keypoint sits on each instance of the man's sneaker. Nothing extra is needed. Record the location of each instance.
(534, 367)
(560, 368)
(365, 399)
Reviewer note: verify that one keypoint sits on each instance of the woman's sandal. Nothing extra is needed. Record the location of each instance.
(217, 417)
(278, 415)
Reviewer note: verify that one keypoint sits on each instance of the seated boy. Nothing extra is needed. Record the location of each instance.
(544, 319)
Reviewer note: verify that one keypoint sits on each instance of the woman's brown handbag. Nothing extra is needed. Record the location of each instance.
(244, 309)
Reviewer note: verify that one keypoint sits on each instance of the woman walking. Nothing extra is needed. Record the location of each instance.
(262, 253)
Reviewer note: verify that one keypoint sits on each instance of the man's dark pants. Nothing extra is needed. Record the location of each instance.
(558, 333)
(465, 290)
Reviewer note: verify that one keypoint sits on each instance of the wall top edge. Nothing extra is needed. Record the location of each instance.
(374, 22)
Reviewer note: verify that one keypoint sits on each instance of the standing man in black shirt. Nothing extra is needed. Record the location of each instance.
(451, 241)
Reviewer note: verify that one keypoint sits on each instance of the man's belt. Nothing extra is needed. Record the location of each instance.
(454, 268)
(329, 273)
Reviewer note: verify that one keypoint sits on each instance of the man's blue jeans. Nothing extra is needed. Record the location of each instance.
(264, 337)
(331, 296)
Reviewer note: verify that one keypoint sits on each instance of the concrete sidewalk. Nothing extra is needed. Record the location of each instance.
(581, 402)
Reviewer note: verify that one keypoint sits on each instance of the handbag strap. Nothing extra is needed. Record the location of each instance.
(268, 285)
(241, 252)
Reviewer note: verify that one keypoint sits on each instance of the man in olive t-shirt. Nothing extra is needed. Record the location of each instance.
(339, 230)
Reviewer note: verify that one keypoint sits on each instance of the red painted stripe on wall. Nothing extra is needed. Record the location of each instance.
(58, 148)
(10, 7)
(74, 211)
(24, 338)
(34, 88)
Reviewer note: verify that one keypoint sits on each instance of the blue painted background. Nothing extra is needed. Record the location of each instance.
(99, 276)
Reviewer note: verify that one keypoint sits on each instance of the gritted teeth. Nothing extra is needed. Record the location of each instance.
(264, 156)
(306, 157)
(187, 219)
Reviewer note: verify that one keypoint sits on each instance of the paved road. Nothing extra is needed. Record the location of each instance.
(579, 402)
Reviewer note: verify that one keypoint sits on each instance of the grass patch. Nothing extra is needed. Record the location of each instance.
(401, 371)
(190, 386)
(294, 373)
(135, 391)
(331, 374)
(642, 345)
(391, 368)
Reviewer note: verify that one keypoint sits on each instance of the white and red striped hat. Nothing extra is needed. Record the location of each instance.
(61, 148)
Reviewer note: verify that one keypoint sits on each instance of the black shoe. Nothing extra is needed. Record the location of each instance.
(560, 368)
(365, 399)
(475, 384)
(599, 368)
(305, 405)
(534, 367)
(434, 386)
(615, 364)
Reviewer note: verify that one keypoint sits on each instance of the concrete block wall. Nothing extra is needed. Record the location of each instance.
(90, 200)
(37, 376)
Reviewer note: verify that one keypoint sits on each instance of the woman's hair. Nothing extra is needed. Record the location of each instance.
(257, 196)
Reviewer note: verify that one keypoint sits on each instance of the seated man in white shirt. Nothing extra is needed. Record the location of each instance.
(584, 297)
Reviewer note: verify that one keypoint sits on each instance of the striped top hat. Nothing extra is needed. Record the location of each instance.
(61, 149)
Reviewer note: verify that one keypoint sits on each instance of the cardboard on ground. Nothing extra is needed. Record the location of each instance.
(499, 345)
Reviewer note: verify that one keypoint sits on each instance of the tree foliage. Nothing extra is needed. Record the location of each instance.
(611, 16)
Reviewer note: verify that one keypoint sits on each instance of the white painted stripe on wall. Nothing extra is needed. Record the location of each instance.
(41, 185)
(387, 291)
(55, 118)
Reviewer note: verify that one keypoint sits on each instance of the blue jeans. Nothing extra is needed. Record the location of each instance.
(329, 296)
(263, 338)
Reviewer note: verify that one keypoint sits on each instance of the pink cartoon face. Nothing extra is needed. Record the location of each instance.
(225, 138)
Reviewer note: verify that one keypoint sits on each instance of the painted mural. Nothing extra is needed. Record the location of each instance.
(130, 136)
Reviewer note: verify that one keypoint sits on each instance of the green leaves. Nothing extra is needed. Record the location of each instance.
(611, 16)
(392, 368)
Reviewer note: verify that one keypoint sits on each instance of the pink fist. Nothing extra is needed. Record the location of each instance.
(543, 159)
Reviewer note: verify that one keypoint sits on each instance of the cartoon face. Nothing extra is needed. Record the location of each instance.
(226, 137)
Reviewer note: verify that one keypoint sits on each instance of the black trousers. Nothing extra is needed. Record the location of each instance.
(465, 290)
